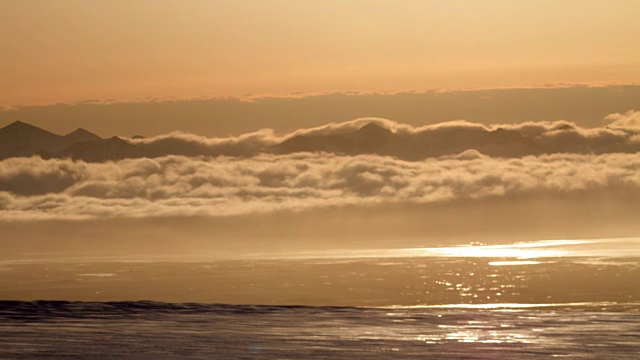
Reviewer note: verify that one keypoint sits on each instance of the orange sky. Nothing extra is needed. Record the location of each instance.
(61, 51)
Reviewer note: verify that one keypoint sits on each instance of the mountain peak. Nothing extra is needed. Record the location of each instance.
(374, 128)
(20, 125)
(116, 139)
(80, 134)
(79, 131)
(566, 127)
(22, 139)
(23, 128)
(372, 132)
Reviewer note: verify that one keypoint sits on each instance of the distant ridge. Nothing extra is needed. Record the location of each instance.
(369, 139)
(359, 137)
(113, 148)
(22, 139)
(375, 139)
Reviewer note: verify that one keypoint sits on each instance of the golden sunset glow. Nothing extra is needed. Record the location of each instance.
(330, 179)
(66, 51)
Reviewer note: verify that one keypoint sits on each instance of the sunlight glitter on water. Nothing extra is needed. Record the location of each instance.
(538, 249)
(525, 250)
(78, 330)
(514, 263)
(617, 247)
(511, 306)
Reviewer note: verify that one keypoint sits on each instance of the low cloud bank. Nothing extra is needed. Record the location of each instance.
(629, 119)
(33, 188)
(389, 138)
(372, 136)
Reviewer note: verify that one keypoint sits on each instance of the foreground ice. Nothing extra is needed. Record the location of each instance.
(577, 299)
(151, 330)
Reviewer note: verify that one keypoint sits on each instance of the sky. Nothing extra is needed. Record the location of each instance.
(262, 129)
(498, 120)
(587, 106)
(67, 51)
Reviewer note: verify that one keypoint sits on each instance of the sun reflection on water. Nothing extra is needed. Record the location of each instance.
(537, 249)
(513, 263)
(476, 332)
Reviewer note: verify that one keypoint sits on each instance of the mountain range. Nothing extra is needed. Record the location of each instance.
(20, 139)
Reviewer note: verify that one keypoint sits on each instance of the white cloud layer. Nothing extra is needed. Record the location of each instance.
(630, 118)
(33, 188)
(408, 142)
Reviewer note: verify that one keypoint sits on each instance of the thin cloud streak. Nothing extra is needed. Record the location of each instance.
(216, 117)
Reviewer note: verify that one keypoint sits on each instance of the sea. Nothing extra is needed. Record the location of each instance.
(576, 299)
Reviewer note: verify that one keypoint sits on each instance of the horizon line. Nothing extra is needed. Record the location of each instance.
(249, 98)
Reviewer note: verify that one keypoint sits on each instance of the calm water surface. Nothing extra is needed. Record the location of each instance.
(549, 299)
